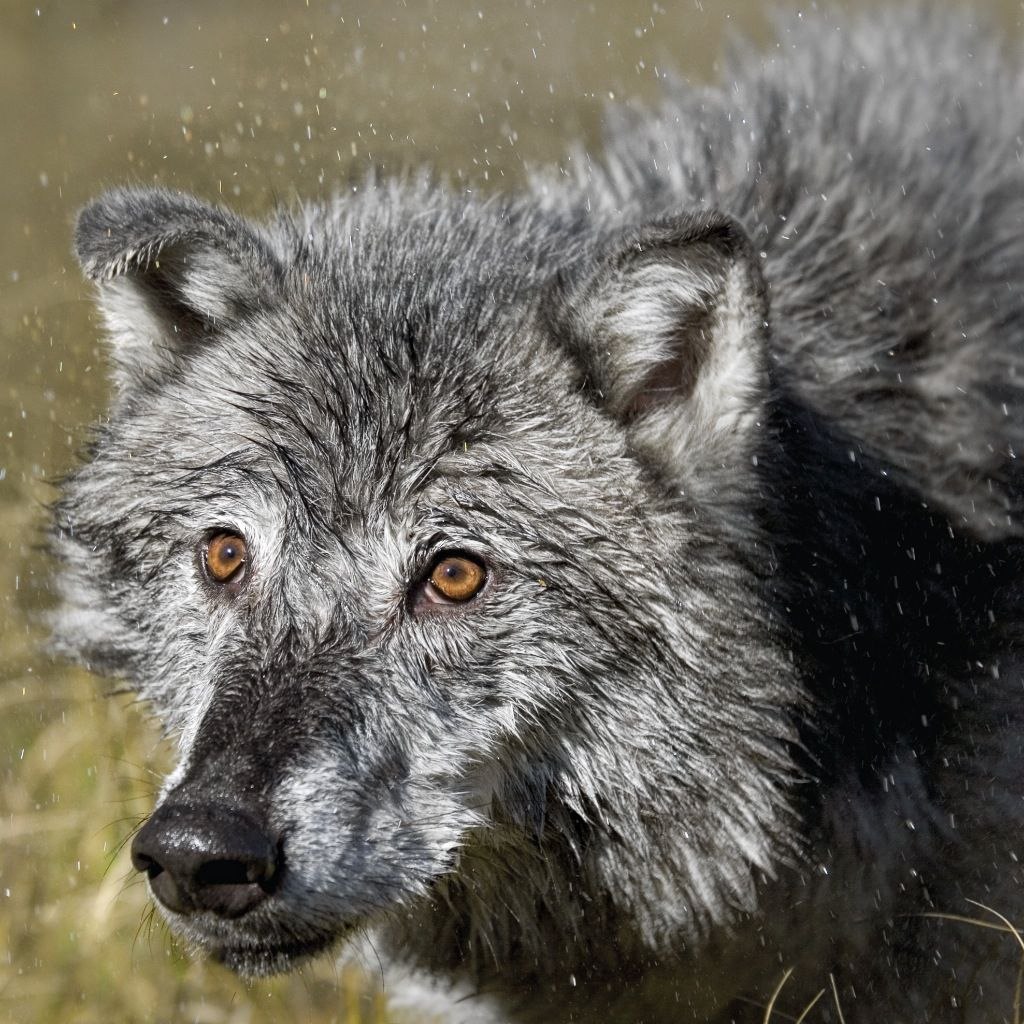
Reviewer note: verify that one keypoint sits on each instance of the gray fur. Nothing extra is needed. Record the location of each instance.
(732, 415)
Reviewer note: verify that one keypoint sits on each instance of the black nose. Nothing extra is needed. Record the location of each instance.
(206, 857)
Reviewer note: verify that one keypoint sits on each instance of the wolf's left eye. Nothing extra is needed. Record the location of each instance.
(454, 579)
(225, 558)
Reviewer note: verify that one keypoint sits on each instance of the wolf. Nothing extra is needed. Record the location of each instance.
(603, 599)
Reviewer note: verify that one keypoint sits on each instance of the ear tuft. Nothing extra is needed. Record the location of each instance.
(126, 229)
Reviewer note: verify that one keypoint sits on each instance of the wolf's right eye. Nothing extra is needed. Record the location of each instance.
(226, 558)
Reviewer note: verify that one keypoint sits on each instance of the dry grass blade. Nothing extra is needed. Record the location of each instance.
(835, 996)
(810, 1006)
(775, 995)
(1010, 927)
(1006, 929)
(770, 1008)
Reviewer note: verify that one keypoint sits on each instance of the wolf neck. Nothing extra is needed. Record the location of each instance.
(578, 956)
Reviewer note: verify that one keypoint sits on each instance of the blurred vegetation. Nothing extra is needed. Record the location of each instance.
(77, 939)
(251, 102)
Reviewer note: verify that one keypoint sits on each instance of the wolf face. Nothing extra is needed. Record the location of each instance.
(384, 526)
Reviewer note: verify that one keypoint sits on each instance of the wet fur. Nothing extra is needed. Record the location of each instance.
(732, 411)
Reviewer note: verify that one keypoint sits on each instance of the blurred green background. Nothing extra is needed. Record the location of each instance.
(251, 102)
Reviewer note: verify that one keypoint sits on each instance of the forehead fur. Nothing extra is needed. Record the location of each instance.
(389, 337)
(415, 272)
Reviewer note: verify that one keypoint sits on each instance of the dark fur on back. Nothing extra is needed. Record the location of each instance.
(730, 415)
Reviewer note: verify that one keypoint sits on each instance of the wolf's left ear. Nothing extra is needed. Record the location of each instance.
(670, 329)
(171, 270)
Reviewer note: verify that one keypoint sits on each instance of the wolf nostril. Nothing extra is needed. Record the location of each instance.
(233, 872)
(203, 857)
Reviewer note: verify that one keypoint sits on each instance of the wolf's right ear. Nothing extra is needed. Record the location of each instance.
(171, 270)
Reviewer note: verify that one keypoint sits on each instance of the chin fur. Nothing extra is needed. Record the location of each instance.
(265, 959)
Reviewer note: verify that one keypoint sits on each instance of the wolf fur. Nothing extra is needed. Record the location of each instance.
(730, 413)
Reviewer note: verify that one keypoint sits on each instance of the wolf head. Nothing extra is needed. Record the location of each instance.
(426, 524)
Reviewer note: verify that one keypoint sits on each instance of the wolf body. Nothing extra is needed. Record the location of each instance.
(727, 419)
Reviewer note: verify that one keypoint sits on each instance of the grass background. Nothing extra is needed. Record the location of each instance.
(247, 102)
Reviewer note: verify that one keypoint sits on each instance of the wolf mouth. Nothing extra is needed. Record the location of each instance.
(261, 959)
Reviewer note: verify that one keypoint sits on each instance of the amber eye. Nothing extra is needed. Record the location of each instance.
(456, 578)
(225, 557)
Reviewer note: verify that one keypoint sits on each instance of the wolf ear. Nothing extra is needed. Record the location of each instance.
(670, 329)
(171, 270)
